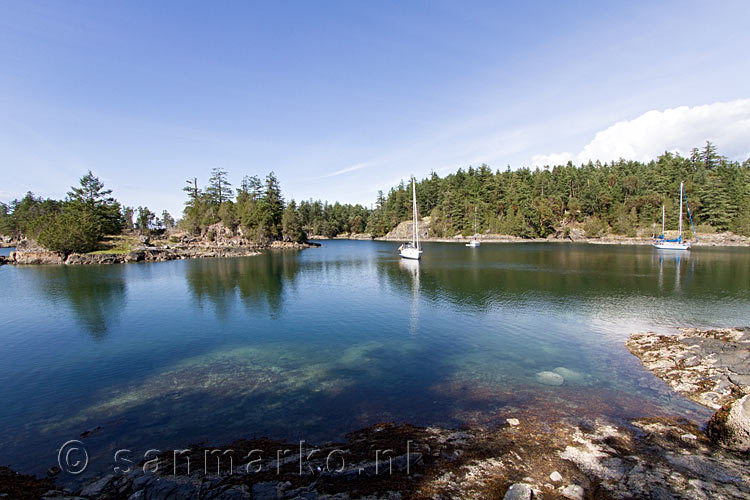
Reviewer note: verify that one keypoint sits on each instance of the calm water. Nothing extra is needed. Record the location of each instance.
(313, 344)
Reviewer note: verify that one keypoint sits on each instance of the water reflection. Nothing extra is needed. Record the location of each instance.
(96, 295)
(258, 281)
(482, 323)
(412, 268)
(679, 263)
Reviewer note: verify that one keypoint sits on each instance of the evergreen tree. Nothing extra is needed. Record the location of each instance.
(94, 199)
(145, 220)
(291, 225)
(271, 207)
(219, 188)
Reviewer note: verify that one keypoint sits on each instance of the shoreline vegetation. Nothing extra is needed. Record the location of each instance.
(528, 456)
(618, 202)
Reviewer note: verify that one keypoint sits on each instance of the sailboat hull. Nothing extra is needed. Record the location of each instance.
(411, 253)
(669, 245)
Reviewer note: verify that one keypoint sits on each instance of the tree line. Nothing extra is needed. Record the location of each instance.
(79, 222)
(620, 197)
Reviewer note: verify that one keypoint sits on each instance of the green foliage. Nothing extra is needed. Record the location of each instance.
(145, 221)
(17, 218)
(594, 227)
(92, 198)
(624, 195)
(291, 225)
(219, 188)
(72, 230)
(167, 220)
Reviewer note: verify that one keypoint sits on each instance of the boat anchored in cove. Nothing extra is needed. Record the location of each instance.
(661, 243)
(474, 243)
(412, 250)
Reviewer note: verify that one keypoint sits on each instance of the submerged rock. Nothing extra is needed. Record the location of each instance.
(730, 426)
(519, 491)
(570, 375)
(550, 378)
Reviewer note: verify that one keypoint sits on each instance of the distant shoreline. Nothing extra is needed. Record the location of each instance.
(705, 240)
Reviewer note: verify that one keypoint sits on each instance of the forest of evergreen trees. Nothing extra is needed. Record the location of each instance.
(620, 197)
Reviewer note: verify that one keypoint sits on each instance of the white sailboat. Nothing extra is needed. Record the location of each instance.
(661, 242)
(412, 250)
(474, 243)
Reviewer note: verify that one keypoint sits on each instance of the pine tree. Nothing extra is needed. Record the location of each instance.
(291, 226)
(219, 188)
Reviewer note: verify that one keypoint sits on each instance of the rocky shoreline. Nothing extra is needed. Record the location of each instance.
(574, 458)
(705, 240)
(30, 254)
(711, 367)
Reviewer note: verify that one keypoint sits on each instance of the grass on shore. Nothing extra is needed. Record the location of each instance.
(116, 244)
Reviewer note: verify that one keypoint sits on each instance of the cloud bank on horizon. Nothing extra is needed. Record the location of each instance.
(680, 129)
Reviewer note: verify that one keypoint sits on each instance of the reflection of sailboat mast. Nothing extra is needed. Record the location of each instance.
(414, 316)
(413, 267)
(661, 271)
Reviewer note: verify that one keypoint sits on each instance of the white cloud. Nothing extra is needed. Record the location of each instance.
(358, 166)
(726, 124)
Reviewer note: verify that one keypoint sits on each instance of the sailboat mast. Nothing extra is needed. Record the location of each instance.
(414, 208)
(663, 215)
(681, 211)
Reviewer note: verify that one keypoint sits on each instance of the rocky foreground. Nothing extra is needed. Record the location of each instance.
(711, 367)
(523, 459)
(527, 457)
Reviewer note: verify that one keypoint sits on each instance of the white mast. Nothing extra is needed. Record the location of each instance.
(414, 208)
(663, 215)
(681, 211)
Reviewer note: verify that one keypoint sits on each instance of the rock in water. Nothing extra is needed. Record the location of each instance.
(573, 492)
(550, 378)
(569, 375)
(519, 491)
(730, 426)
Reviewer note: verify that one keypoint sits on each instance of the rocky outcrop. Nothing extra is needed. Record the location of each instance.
(405, 230)
(711, 367)
(179, 246)
(35, 256)
(730, 426)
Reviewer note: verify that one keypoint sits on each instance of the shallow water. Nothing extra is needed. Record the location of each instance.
(313, 344)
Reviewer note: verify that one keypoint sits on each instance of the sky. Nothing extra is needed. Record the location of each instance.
(342, 99)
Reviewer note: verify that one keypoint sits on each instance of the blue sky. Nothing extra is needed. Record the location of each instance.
(341, 99)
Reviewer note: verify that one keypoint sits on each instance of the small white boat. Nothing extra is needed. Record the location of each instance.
(474, 243)
(661, 243)
(412, 250)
